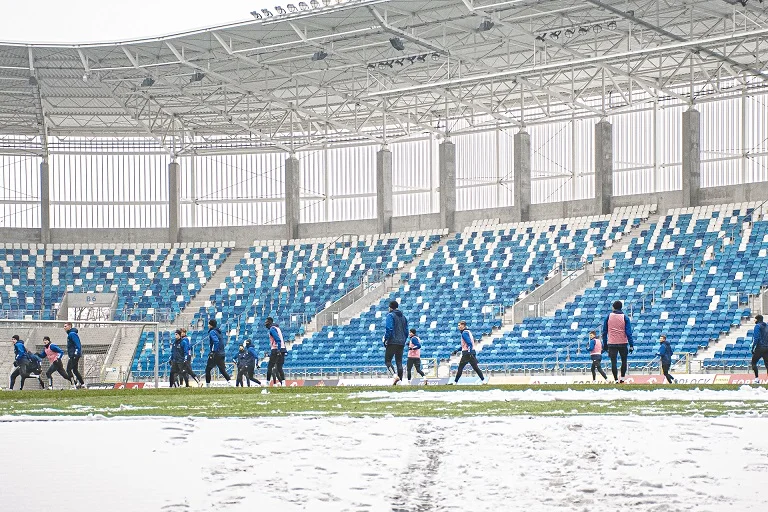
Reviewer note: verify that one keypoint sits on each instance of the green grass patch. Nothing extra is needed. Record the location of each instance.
(335, 401)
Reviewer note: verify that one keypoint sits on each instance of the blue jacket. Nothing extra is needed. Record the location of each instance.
(252, 353)
(73, 343)
(396, 328)
(242, 359)
(665, 352)
(467, 341)
(187, 348)
(19, 350)
(33, 363)
(760, 336)
(54, 348)
(216, 341)
(276, 339)
(178, 354)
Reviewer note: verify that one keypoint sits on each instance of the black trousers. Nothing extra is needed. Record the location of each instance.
(72, 370)
(188, 372)
(665, 369)
(178, 372)
(413, 362)
(613, 352)
(56, 366)
(22, 371)
(249, 374)
(275, 366)
(466, 357)
(395, 351)
(597, 367)
(215, 360)
(759, 353)
(241, 372)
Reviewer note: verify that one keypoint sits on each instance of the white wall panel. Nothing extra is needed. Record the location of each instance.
(721, 143)
(19, 191)
(483, 170)
(414, 175)
(352, 183)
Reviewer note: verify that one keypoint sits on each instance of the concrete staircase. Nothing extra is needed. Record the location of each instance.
(186, 316)
(120, 355)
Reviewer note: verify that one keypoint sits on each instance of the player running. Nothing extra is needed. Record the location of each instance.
(595, 347)
(178, 354)
(468, 354)
(414, 354)
(277, 352)
(74, 352)
(252, 362)
(188, 372)
(54, 354)
(217, 345)
(617, 334)
(27, 364)
(759, 345)
(665, 356)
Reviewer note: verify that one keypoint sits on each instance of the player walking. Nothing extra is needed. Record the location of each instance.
(277, 352)
(253, 359)
(759, 345)
(414, 354)
(74, 352)
(395, 334)
(595, 347)
(665, 356)
(468, 354)
(217, 345)
(617, 334)
(188, 372)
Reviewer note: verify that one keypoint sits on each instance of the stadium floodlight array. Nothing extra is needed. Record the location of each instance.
(103, 342)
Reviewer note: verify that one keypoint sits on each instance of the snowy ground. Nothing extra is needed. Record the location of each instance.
(384, 464)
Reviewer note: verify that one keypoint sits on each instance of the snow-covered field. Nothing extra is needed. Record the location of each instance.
(384, 464)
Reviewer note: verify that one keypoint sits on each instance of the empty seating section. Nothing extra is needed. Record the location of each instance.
(471, 277)
(737, 355)
(146, 277)
(291, 281)
(688, 277)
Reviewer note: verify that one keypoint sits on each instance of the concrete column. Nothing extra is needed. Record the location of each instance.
(691, 157)
(522, 174)
(603, 166)
(447, 167)
(174, 203)
(292, 197)
(45, 203)
(384, 190)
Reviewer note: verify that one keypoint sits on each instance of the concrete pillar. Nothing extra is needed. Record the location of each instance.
(447, 167)
(691, 157)
(292, 197)
(45, 203)
(603, 166)
(522, 174)
(384, 190)
(174, 202)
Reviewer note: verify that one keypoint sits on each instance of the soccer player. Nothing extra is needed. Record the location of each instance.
(25, 362)
(414, 354)
(74, 352)
(617, 334)
(595, 347)
(468, 354)
(241, 361)
(277, 352)
(217, 345)
(188, 372)
(178, 355)
(54, 354)
(252, 361)
(395, 334)
(759, 345)
(665, 356)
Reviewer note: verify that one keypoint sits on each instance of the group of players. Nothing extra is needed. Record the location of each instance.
(28, 364)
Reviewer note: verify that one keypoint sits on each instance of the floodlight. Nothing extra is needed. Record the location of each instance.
(319, 55)
(292, 8)
(612, 25)
(397, 43)
(541, 37)
(280, 10)
(148, 82)
(303, 6)
(485, 26)
(569, 33)
(435, 56)
(267, 13)
(256, 15)
(555, 35)
(197, 77)
(597, 28)
(314, 3)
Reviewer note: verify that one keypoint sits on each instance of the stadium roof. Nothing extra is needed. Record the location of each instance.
(378, 71)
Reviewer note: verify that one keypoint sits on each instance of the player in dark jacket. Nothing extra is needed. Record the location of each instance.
(395, 336)
(74, 352)
(217, 344)
(468, 354)
(188, 371)
(178, 355)
(241, 362)
(27, 364)
(665, 357)
(253, 360)
(759, 345)
(277, 352)
(54, 355)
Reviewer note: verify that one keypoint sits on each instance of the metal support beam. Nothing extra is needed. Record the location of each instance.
(45, 203)
(174, 201)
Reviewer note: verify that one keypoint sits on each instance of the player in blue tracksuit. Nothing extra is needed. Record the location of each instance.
(217, 344)
(74, 353)
(665, 356)
(241, 362)
(468, 354)
(277, 352)
(178, 355)
(26, 363)
(253, 359)
(759, 345)
(395, 336)
(188, 371)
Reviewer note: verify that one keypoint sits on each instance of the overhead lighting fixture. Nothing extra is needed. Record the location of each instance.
(583, 30)
(148, 82)
(32, 81)
(421, 58)
(280, 10)
(85, 77)
(485, 26)
(389, 63)
(292, 8)
(400, 62)
(371, 65)
(411, 59)
(597, 28)
(267, 13)
(197, 77)
(555, 35)
(569, 32)
(303, 6)
(397, 43)
(541, 37)
(319, 55)
(314, 3)
(327, 2)
(435, 56)
(612, 25)
(256, 15)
